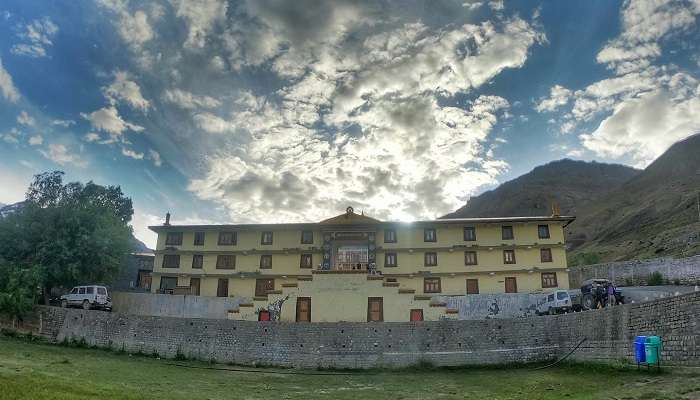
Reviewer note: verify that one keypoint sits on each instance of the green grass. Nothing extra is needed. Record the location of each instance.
(40, 371)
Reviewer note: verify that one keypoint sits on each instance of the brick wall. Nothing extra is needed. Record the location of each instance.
(630, 273)
(609, 333)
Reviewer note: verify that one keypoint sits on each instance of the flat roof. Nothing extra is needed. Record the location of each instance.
(560, 218)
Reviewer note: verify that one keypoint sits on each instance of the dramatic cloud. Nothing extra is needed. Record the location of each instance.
(61, 155)
(124, 89)
(37, 36)
(7, 86)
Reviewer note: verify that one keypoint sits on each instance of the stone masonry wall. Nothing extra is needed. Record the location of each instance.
(609, 333)
(630, 273)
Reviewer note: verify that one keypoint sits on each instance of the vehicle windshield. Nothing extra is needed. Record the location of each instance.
(74, 291)
(562, 296)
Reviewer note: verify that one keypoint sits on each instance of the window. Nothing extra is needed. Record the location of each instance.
(194, 286)
(508, 256)
(74, 291)
(171, 261)
(543, 231)
(549, 280)
(168, 283)
(430, 259)
(306, 261)
(266, 261)
(375, 309)
(307, 237)
(470, 258)
(389, 236)
(227, 238)
(262, 286)
(431, 285)
(562, 295)
(266, 238)
(390, 260)
(90, 290)
(227, 261)
(197, 261)
(511, 285)
(429, 235)
(222, 288)
(472, 286)
(507, 233)
(102, 291)
(416, 315)
(469, 234)
(173, 239)
(546, 255)
(199, 238)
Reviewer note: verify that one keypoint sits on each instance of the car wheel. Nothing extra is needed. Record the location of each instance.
(588, 302)
(64, 303)
(86, 305)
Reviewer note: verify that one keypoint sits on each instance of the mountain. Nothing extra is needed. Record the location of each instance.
(622, 213)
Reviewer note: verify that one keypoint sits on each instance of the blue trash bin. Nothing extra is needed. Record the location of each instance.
(639, 350)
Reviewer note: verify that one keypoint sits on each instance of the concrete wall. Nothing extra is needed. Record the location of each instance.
(486, 306)
(181, 306)
(609, 333)
(632, 273)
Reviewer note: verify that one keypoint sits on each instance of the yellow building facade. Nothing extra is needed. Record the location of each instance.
(355, 268)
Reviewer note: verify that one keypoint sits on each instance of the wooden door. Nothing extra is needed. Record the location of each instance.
(375, 309)
(144, 280)
(303, 309)
(416, 315)
(262, 286)
(222, 288)
(472, 286)
(511, 285)
(194, 286)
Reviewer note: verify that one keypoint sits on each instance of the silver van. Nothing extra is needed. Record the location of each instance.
(87, 297)
(556, 302)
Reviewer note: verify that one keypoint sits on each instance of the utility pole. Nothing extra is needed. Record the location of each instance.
(698, 206)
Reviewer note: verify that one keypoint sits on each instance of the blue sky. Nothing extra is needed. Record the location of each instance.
(270, 111)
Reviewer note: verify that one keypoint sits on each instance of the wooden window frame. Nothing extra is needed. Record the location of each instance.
(219, 264)
(547, 281)
(388, 239)
(173, 239)
(310, 256)
(306, 240)
(386, 260)
(466, 258)
(477, 285)
(201, 263)
(539, 233)
(234, 238)
(433, 280)
(507, 228)
(196, 242)
(425, 235)
(505, 258)
(471, 238)
(546, 255)
(264, 265)
(369, 309)
(166, 279)
(219, 287)
(262, 238)
(171, 257)
(299, 301)
(266, 289)
(432, 263)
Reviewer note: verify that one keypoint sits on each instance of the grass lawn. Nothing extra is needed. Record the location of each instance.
(40, 371)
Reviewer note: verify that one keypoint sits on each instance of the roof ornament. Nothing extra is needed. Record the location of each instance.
(349, 211)
(167, 219)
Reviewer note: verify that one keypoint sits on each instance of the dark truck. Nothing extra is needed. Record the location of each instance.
(594, 294)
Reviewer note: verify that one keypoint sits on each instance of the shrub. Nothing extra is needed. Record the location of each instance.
(655, 279)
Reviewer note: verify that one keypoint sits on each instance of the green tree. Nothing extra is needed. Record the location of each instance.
(68, 234)
(18, 289)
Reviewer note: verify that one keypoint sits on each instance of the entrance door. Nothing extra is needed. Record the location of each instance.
(472, 286)
(144, 280)
(375, 309)
(511, 285)
(262, 286)
(194, 286)
(416, 314)
(303, 309)
(222, 288)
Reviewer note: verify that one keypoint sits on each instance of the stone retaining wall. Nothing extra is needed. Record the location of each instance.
(685, 271)
(609, 333)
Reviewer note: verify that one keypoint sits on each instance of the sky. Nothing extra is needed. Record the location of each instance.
(284, 111)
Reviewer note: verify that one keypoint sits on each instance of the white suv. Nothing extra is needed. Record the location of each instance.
(90, 296)
(554, 303)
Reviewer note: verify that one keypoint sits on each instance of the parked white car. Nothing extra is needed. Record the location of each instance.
(88, 297)
(556, 302)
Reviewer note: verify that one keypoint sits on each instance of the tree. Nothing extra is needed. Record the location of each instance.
(18, 290)
(68, 234)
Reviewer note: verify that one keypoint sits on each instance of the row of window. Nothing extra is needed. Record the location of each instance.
(230, 238)
(228, 261)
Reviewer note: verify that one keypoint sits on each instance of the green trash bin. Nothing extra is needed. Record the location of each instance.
(652, 349)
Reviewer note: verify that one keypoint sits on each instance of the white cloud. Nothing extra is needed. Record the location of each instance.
(91, 137)
(200, 16)
(187, 100)
(25, 119)
(63, 122)
(155, 157)
(124, 89)
(132, 154)
(558, 96)
(7, 86)
(37, 36)
(36, 140)
(134, 28)
(211, 123)
(61, 155)
(107, 119)
(12, 136)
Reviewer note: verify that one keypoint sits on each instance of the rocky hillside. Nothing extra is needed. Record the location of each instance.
(622, 213)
